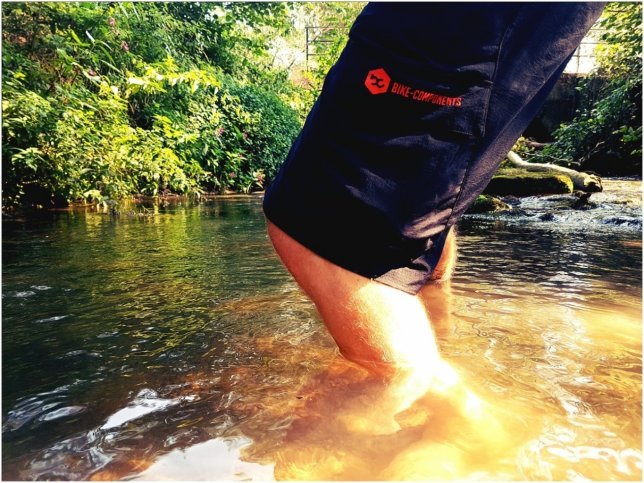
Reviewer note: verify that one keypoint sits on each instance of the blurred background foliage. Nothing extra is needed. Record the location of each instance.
(104, 100)
(605, 136)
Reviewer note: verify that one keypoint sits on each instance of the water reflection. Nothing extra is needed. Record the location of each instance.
(217, 459)
(175, 346)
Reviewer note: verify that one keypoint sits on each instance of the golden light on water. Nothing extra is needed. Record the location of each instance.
(543, 400)
(179, 360)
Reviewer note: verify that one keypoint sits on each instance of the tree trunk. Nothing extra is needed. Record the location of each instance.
(589, 183)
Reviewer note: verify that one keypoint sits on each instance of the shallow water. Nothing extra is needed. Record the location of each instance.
(173, 345)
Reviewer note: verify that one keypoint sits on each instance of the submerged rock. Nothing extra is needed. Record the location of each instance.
(488, 204)
(547, 217)
(583, 201)
(517, 182)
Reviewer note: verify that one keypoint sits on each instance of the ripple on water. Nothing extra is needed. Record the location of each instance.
(61, 413)
(23, 294)
(68, 459)
(45, 407)
(623, 221)
(54, 318)
(617, 208)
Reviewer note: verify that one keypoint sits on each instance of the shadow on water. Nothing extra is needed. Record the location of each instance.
(175, 346)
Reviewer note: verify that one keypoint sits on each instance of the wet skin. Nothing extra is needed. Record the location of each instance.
(381, 328)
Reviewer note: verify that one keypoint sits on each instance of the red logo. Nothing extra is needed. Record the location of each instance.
(377, 81)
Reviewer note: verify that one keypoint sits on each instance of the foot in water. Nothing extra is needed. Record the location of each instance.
(385, 407)
(462, 434)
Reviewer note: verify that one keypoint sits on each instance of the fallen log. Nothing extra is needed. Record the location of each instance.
(589, 183)
(519, 182)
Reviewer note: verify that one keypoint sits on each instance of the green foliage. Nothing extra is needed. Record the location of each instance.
(606, 134)
(105, 100)
(334, 20)
(273, 128)
(329, 24)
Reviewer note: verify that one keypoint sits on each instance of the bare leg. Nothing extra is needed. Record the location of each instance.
(445, 266)
(374, 325)
(379, 327)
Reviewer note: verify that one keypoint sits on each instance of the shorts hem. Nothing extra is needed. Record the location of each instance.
(404, 279)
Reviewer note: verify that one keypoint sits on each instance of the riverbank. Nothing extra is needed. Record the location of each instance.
(510, 182)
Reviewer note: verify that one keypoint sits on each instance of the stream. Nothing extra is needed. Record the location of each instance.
(168, 343)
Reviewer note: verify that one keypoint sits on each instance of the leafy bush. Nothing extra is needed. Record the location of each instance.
(274, 128)
(106, 100)
(606, 134)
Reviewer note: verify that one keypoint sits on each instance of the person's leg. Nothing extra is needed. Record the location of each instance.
(379, 327)
(445, 266)
(436, 295)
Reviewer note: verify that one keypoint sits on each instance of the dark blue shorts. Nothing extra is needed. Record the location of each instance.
(414, 118)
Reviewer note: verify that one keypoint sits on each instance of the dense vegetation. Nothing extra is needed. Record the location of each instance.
(606, 134)
(103, 100)
(106, 100)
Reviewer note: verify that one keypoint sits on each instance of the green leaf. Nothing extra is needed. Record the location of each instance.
(136, 12)
(93, 193)
(120, 4)
(76, 39)
(136, 81)
(107, 54)
(114, 68)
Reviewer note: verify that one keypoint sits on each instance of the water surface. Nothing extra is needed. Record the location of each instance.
(169, 343)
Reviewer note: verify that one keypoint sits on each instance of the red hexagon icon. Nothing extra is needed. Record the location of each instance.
(377, 81)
